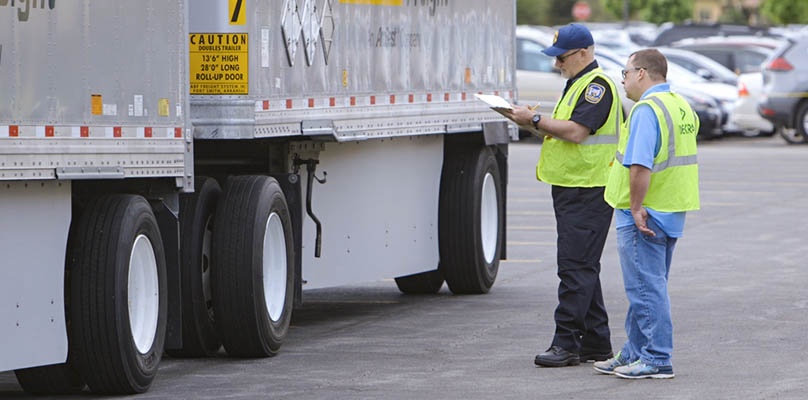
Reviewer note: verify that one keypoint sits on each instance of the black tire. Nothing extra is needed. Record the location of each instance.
(116, 262)
(197, 211)
(469, 242)
(798, 135)
(253, 209)
(428, 282)
(50, 379)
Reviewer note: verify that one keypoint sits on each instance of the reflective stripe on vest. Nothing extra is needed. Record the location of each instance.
(673, 160)
(601, 139)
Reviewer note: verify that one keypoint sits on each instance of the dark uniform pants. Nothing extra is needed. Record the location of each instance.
(582, 221)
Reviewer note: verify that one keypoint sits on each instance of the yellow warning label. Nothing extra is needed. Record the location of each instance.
(238, 16)
(162, 107)
(219, 63)
(96, 104)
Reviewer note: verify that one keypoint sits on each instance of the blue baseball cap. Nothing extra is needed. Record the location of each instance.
(572, 36)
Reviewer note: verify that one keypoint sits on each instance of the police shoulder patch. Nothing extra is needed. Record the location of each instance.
(594, 93)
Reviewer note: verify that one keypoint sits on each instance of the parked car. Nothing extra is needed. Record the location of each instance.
(721, 95)
(744, 116)
(785, 84)
(616, 40)
(669, 33)
(537, 80)
(740, 54)
(703, 66)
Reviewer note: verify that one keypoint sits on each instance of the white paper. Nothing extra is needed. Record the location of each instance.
(494, 102)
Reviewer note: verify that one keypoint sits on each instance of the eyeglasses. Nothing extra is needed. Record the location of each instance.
(562, 58)
(625, 71)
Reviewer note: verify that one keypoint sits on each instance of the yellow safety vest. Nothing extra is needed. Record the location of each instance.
(563, 163)
(674, 182)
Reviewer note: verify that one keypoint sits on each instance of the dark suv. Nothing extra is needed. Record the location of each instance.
(785, 90)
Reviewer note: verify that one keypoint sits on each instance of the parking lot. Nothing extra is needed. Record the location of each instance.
(737, 290)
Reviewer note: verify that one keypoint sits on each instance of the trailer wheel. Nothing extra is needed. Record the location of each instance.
(428, 282)
(253, 267)
(50, 379)
(470, 220)
(197, 210)
(118, 295)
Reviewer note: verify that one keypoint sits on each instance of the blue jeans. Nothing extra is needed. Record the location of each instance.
(646, 262)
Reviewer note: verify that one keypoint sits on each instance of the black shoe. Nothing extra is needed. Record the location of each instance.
(557, 357)
(595, 355)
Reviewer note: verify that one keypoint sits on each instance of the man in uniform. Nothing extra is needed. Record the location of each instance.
(580, 142)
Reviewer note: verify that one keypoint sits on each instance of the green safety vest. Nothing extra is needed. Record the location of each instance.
(674, 182)
(563, 163)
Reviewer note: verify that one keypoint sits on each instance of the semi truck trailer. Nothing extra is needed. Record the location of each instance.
(175, 175)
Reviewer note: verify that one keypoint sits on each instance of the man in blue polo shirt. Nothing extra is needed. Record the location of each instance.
(652, 184)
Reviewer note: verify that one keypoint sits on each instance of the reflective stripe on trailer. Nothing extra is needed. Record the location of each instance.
(53, 131)
(367, 100)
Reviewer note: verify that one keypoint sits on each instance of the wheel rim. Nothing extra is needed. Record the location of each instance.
(143, 294)
(804, 129)
(790, 134)
(489, 221)
(274, 267)
(207, 291)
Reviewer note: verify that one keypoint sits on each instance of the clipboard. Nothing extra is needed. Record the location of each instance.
(501, 105)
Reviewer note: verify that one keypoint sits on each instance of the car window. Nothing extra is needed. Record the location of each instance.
(530, 58)
(749, 61)
(723, 57)
(798, 54)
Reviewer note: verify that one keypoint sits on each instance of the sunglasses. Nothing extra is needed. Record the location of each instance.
(561, 58)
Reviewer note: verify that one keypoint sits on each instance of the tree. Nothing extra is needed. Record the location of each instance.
(656, 11)
(616, 7)
(556, 12)
(532, 12)
(785, 11)
(659, 11)
(561, 11)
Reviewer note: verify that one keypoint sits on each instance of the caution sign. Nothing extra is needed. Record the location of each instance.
(219, 63)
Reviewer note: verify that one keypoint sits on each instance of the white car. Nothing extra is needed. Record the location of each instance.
(744, 115)
(537, 81)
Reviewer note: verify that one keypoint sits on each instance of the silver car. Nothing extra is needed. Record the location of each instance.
(785, 84)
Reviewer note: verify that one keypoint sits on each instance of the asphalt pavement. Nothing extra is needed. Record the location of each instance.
(740, 309)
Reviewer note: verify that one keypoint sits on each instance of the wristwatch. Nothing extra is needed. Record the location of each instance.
(536, 119)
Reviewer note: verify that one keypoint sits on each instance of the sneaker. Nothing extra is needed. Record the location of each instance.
(607, 367)
(639, 370)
